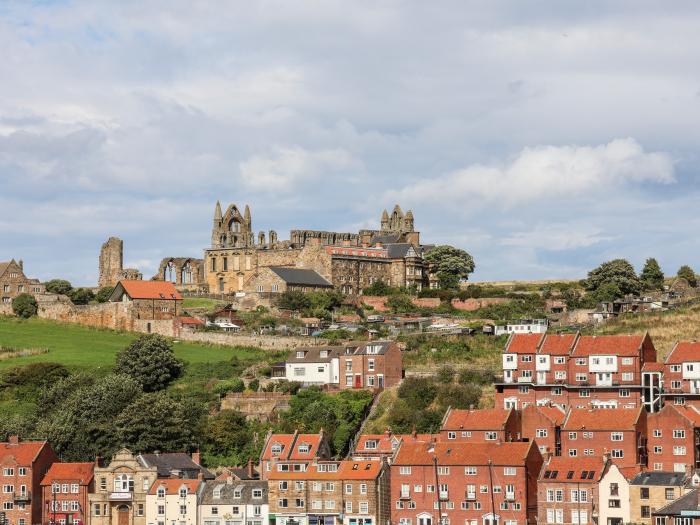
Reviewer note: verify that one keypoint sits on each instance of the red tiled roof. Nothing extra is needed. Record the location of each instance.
(80, 472)
(463, 453)
(602, 419)
(290, 443)
(385, 442)
(190, 320)
(350, 469)
(24, 453)
(313, 440)
(690, 412)
(555, 414)
(629, 472)
(285, 440)
(683, 352)
(173, 485)
(621, 345)
(486, 419)
(558, 344)
(523, 344)
(150, 290)
(568, 470)
(652, 367)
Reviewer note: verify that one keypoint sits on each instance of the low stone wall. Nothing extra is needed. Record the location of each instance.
(379, 302)
(267, 342)
(470, 305)
(117, 316)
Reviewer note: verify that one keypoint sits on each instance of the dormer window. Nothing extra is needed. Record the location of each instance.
(183, 492)
(237, 493)
(304, 448)
(300, 354)
(371, 444)
(276, 448)
(216, 493)
(161, 492)
(324, 353)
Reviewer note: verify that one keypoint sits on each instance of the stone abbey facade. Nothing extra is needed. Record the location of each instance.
(237, 260)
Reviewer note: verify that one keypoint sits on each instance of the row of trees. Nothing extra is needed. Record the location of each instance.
(78, 295)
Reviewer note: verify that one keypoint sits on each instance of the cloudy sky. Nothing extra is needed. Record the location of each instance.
(542, 137)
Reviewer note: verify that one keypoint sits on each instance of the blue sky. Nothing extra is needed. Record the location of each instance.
(542, 137)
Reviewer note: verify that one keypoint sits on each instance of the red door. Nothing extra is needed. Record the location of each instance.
(358, 381)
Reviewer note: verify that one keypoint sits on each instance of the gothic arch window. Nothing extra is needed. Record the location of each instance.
(186, 273)
(170, 272)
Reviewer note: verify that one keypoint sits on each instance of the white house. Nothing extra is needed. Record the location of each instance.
(614, 497)
(314, 366)
(172, 501)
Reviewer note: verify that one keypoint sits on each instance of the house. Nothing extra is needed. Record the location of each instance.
(172, 501)
(189, 324)
(280, 279)
(151, 299)
(681, 374)
(542, 424)
(64, 493)
(13, 282)
(674, 439)
(619, 432)
(175, 465)
(231, 500)
(351, 492)
(384, 446)
(479, 426)
(614, 494)
(580, 371)
(683, 511)
(23, 464)
(523, 326)
(292, 452)
(462, 482)
(120, 491)
(567, 490)
(651, 491)
(373, 364)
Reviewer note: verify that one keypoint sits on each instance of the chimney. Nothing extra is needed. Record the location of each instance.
(196, 457)
(20, 263)
(200, 475)
(98, 460)
(13, 439)
(251, 470)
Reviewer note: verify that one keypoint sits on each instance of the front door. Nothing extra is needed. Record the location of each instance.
(123, 515)
(380, 381)
(358, 381)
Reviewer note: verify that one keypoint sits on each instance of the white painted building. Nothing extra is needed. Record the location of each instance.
(613, 497)
(233, 501)
(172, 501)
(523, 326)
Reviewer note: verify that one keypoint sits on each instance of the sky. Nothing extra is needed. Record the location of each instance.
(542, 137)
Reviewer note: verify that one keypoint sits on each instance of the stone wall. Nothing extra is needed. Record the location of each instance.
(268, 342)
(470, 305)
(116, 316)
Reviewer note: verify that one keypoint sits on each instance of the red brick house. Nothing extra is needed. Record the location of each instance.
(384, 446)
(619, 432)
(479, 426)
(542, 424)
(64, 493)
(465, 483)
(567, 490)
(23, 465)
(682, 374)
(375, 364)
(674, 439)
(292, 452)
(576, 371)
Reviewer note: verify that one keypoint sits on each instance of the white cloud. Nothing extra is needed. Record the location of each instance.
(542, 173)
(288, 168)
(557, 237)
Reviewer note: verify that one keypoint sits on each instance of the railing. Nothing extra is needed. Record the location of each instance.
(22, 496)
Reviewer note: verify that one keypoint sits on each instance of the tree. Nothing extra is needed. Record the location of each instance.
(652, 277)
(81, 295)
(446, 374)
(418, 392)
(450, 264)
(25, 305)
(103, 294)
(618, 272)
(59, 286)
(294, 300)
(150, 360)
(227, 439)
(687, 273)
(378, 288)
(155, 421)
(607, 293)
(400, 303)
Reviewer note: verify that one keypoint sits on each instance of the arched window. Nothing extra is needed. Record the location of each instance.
(123, 483)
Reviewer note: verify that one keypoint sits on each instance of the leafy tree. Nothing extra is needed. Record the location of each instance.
(231, 385)
(687, 273)
(607, 292)
(618, 272)
(81, 295)
(254, 385)
(103, 294)
(418, 392)
(155, 421)
(651, 276)
(294, 300)
(325, 300)
(150, 360)
(378, 288)
(25, 305)
(458, 396)
(450, 264)
(227, 438)
(400, 303)
(446, 374)
(59, 286)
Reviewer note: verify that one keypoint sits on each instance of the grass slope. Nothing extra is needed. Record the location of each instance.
(80, 347)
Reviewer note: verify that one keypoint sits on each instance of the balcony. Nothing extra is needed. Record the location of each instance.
(405, 495)
(23, 497)
(444, 496)
(509, 496)
(470, 495)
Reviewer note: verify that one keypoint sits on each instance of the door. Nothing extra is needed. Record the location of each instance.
(358, 381)
(380, 381)
(123, 515)
(424, 520)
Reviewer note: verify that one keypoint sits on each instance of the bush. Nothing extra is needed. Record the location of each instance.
(34, 374)
(25, 305)
(293, 300)
(418, 392)
(254, 385)
(103, 294)
(400, 303)
(229, 385)
(60, 286)
(81, 295)
(150, 361)
(446, 374)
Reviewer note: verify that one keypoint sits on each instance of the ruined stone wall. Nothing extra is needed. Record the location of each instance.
(469, 305)
(111, 262)
(117, 316)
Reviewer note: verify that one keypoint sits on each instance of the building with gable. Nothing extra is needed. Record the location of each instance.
(65, 493)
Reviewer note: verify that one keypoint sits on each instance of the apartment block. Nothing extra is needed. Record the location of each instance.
(65, 493)
(479, 426)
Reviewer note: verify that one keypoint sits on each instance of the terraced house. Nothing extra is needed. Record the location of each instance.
(480, 426)
(292, 452)
(230, 501)
(172, 501)
(65, 491)
(331, 493)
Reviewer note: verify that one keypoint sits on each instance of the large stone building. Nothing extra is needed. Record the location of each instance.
(239, 261)
(13, 282)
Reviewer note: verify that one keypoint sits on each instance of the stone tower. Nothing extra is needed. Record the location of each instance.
(111, 262)
(232, 229)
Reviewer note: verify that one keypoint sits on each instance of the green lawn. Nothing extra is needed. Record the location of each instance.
(88, 348)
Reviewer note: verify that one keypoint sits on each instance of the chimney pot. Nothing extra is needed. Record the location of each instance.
(13, 439)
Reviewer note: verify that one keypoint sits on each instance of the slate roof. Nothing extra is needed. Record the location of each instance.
(228, 489)
(399, 250)
(388, 238)
(300, 276)
(660, 479)
(3, 267)
(687, 502)
(166, 463)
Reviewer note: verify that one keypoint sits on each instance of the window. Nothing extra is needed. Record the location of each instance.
(670, 494)
(363, 488)
(617, 453)
(405, 470)
(559, 374)
(161, 510)
(614, 503)
(573, 452)
(559, 360)
(658, 449)
(22, 471)
(444, 471)
(627, 376)
(678, 434)
(523, 389)
(572, 435)
(541, 432)
(139, 509)
(675, 368)
(644, 493)
(584, 393)
(556, 391)
(624, 392)
(509, 471)
(580, 361)
(581, 377)
(644, 511)
(96, 509)
(526, 359)
(657, 432)
(451, 435)
(8, 472)
(490, 435)
(160, 492)
(470, 471)
(679, 451)
(616, 436)
(627, 361)
(183, 509)
(74, 488)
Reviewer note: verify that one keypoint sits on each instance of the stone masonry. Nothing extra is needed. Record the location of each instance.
(112, 264)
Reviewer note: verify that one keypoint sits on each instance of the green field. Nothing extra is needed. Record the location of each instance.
(80, 347)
